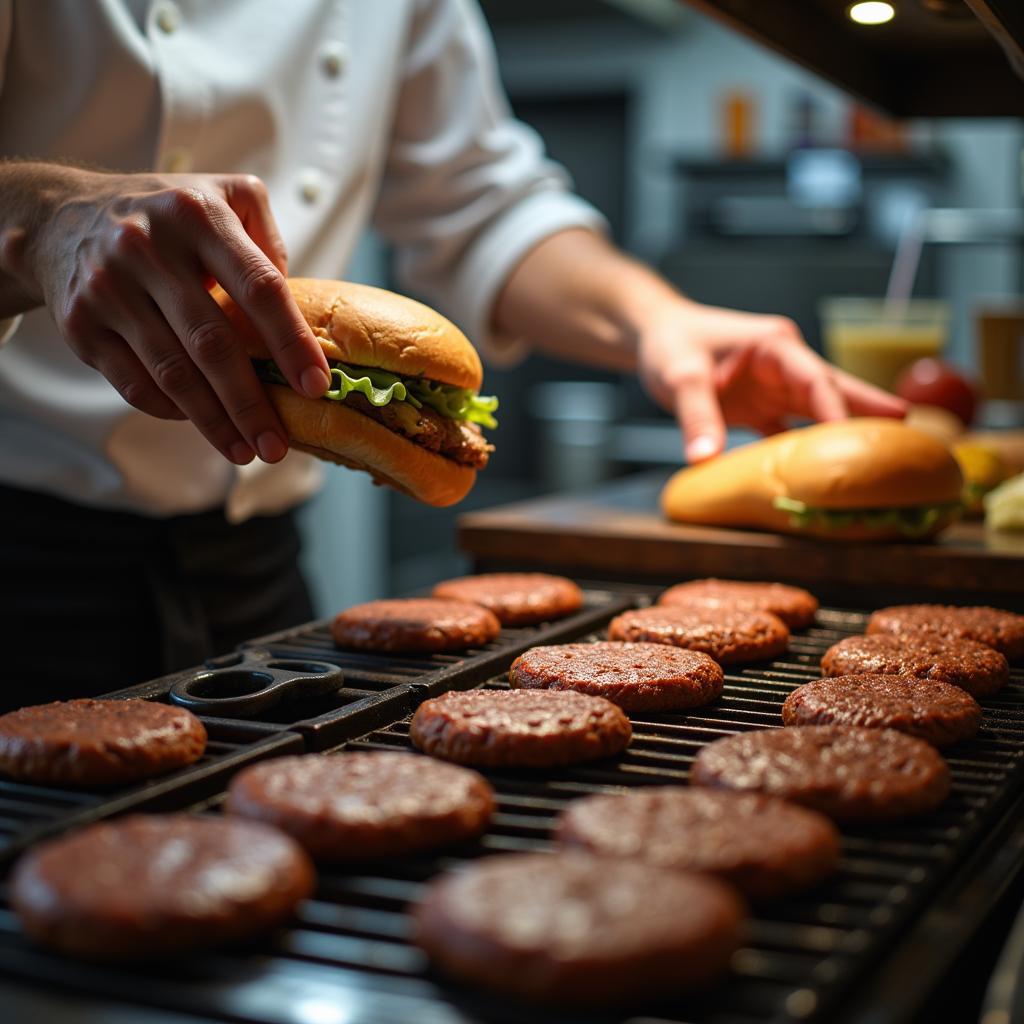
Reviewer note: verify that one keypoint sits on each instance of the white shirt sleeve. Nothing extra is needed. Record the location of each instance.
(467, 189)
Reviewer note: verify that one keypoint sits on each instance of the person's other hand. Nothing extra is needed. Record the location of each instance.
(125, 262)
(714, 366)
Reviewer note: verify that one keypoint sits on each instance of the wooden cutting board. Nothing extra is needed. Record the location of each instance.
(617, 533)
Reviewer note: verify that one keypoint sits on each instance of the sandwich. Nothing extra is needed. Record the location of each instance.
(403, 402)
(858, 479)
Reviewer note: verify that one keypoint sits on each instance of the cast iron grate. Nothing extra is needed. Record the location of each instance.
(313, 642)
(379, 688)
(29, 812)
(348, 957)
(387, 687)
(404, 680)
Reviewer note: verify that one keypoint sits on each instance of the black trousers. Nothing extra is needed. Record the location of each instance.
(91, 601)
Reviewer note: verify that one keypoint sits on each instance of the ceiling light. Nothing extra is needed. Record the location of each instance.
(871, 12)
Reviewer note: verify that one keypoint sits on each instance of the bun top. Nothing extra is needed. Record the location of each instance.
(864, 463)
(372, 327)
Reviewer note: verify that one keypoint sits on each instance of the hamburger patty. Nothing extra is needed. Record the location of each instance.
(454, 439)
(158, 885)
(795, 606)
(728, 635)
(847, 772)
(361, 805)
(1001, 630)
(975, 667)
(88, 742)
(533, 728)
(930, 709)
(516, 598)
(414, 625)
(571, 928)
(764, 846)
(637, 677)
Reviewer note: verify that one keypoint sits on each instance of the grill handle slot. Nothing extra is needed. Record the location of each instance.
(251, 682)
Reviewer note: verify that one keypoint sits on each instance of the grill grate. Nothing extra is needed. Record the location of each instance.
(30, 812)
(379, 688)
(402, 681)
(348, 956)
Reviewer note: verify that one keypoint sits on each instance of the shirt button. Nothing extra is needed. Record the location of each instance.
(177, 161)
(333, 58)
(310, 185)
(168, 17)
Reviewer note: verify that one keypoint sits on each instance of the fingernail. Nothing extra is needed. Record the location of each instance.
(314, 381)
(701, 448)
(271, 447)
(241, 454)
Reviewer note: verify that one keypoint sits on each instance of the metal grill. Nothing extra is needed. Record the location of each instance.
(386, 688)
(313, 642)
(348, 956)
(29, 812)
(382, 687)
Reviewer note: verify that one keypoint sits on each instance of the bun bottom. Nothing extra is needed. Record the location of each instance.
(771, 520)
(858, 531)
(333, 432)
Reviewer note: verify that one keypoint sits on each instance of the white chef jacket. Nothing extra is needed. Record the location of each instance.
(351, 111)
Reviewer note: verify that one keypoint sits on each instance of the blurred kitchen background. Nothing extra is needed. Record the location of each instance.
(749, 182)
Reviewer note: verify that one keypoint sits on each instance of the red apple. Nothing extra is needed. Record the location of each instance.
(933, 382)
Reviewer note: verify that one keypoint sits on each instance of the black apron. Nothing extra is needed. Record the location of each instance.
(93, 600)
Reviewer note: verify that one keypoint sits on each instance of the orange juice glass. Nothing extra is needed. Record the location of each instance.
(864, 338)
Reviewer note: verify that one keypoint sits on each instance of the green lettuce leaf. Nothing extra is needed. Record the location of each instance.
(915, 521)
(380, 387)
(372, 385)
(455, 403)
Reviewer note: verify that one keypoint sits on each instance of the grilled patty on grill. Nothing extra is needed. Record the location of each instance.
(637, 677)
(151, 885)
(795, 606)
(351, 806)
(414, 625)
(974, 667)
(98, 742)
(516, 598)
(571, 928)
(766, 847)
(848, 773)
(529, 728)
(930, 709)
(727, 635)
(457, 440)
(1001, 630)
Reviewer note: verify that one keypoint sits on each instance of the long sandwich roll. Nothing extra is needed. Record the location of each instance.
(858, 479)
(403, 404)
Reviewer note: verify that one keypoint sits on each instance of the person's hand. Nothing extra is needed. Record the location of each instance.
(124, 263)
(714, 366)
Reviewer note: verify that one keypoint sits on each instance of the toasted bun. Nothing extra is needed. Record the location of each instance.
(859, 463)
(332, 431)
(368, 326)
